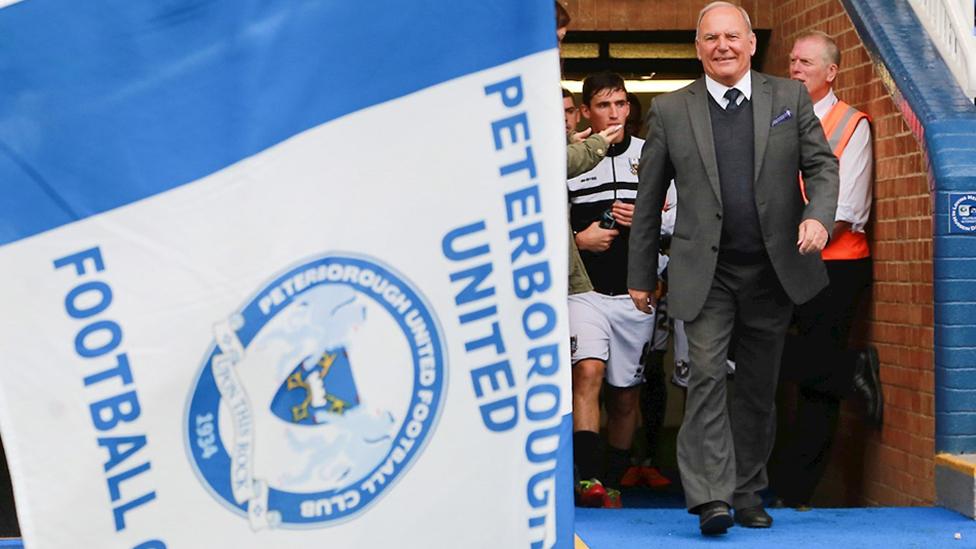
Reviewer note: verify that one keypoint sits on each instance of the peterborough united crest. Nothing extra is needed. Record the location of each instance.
(317, 394)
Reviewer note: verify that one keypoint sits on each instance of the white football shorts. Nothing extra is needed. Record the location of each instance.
(611, 329)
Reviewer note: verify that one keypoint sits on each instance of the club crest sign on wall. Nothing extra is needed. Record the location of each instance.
(318, 394)
(962, 213)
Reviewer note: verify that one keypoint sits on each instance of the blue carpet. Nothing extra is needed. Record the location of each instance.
(868, 528)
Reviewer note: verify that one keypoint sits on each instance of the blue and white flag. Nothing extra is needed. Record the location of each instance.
(284, 274)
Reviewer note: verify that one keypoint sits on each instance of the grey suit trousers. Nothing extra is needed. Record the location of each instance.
(749, 298)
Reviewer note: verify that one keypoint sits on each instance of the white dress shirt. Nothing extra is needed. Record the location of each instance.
(717, 91)
(854, 199)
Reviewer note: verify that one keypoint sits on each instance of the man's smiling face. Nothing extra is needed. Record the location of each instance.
(725, 45)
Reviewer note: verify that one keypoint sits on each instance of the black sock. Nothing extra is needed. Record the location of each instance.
(617, 463)
(587, 452)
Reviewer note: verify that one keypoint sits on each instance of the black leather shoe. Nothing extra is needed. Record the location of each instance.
(867, 384)
(714, 518)
(753, 517)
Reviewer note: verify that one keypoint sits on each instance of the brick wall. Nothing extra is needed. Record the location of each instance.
(648, 15)
(897, 466)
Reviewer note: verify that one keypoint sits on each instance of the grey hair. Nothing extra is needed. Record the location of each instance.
(831, 51)
(713, 5)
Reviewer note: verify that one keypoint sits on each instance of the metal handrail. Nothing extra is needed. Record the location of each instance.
(950, 25)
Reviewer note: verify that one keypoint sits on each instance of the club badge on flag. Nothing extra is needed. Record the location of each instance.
(337, 448)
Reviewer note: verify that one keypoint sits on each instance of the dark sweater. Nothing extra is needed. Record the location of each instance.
(735, 153)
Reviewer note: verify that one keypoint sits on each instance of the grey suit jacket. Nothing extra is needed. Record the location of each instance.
(679, 145)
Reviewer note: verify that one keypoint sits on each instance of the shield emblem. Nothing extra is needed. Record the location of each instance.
(313, 395)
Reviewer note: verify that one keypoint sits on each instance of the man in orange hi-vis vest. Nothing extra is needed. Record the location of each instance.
(818, 358)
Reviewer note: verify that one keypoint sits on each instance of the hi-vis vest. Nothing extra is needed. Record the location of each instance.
(838, 126)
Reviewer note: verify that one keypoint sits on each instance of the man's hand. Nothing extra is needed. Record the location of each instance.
(578, 137)
(841, 227)
(644, 300)
(622, 212)
(595, 238)
(812, 237)
(612, 132)
(609, 134)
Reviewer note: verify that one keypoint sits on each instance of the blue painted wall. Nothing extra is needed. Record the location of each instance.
(945, 121)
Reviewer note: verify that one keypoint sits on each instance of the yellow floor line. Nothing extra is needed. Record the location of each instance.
(579, 544)
(965, 466)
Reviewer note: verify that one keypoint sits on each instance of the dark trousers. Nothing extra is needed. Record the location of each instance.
(8, 518)
(724, 442)
(653, 400)
(821, 364)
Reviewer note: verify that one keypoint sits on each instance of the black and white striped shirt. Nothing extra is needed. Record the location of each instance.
(592, 193)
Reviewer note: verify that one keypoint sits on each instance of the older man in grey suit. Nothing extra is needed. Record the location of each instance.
(745, 249)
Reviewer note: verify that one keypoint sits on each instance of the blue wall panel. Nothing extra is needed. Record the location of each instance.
(957, 314)
(954, 245)
(925, 90)
(955, 291)
(961, 378)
